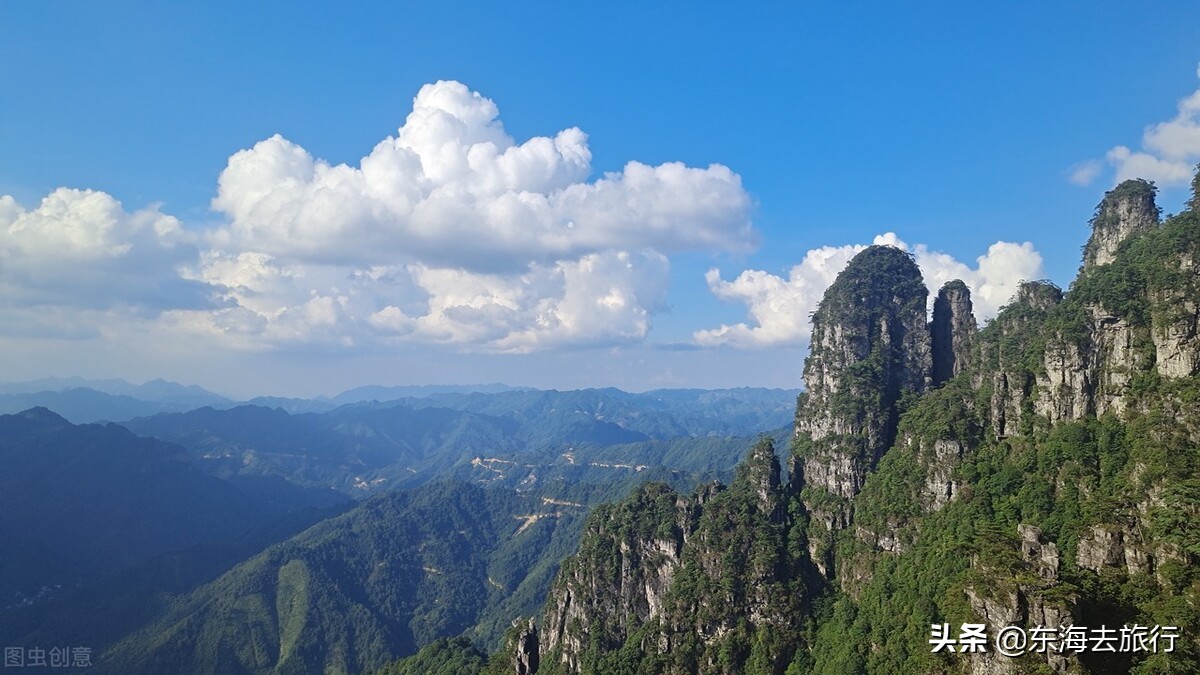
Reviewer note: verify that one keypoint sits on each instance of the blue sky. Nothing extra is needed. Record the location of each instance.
(954, 126)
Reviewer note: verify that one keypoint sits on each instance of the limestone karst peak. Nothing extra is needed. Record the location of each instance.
(1126, 211)
(870, 345)
(952, 330)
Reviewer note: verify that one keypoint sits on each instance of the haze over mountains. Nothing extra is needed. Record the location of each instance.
(193, 501)
(1040, 471)
(82, 400)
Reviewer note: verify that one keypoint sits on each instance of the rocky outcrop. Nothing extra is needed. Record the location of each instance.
(952, 331)
(525, 657)
(1065, 385)
(907, 515)
(1118, 358)
(1091, 373)
(940, 484)
(689, 576)
(1176, 329)
(1018, 600)
(870, 344)
(1006, 349)
(628, 555)
(1126, 210)
(761, 473)
(1113, 546)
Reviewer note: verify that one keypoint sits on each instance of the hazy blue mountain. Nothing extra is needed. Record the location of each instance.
(294, 406)
(77, 502)
(659, 414)
(357, 451)
(156, 390)
(85, 406)
(83, 401)
(365, 447)
(392, 393)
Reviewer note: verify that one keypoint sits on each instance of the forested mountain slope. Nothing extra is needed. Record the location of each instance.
(77, 502)
(1041, 471)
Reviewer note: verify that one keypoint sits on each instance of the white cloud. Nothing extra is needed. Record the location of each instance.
(1169, 153)
(80, 248)
(451, 233)
(453, 189)
(779, 309)
(602, 298)
(1130, 164)
(1084, 173)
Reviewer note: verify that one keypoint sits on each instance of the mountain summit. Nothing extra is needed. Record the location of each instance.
(1040, 472)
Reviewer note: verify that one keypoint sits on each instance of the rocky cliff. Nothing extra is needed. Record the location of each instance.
(685, 581)
(952, 331)
(870, 345)
(1039, 472)
(1127, 211)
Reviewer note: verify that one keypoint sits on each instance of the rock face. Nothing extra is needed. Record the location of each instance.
(688, 578)
(1071, 411)
(1113, 546)
(525, 658)
(1115, 345)
(870, 344)
(1025, 603)
(952, 331)
(1176, 332)
(628, 555)
(1005, 355)
(1127, 210)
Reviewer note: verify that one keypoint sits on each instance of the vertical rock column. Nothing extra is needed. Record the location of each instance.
(952, 331)
(870, 344)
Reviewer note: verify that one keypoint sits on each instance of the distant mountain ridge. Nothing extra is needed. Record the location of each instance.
(365, 447)
(391, 393)
(157, 390)
(77, 502)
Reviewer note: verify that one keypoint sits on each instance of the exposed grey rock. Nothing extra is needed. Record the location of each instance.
(525, 660)
(1065, 388)
(628, 593)
(951, 331)
(1012, 381)
(1114, 344)
(761, 471)
(1009, 391)
(870, 343)
(1176, 331)
(1114, 546)
(940, 486)
(1023, 604)
(1042, 557)
(1125, 211)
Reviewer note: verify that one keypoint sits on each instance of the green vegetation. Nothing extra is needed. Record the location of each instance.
(1000, 493)
(983, 505)
(446, 656)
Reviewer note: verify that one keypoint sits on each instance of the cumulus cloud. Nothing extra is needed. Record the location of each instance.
(779, 308)
(80, 248)
(453, 189)
(451, 232)
(600, 299)
(1169, 152)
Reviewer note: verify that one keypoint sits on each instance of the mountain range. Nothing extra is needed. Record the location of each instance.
(1038, 472)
